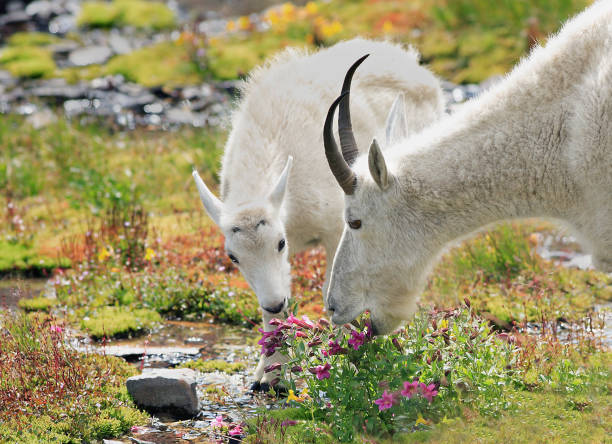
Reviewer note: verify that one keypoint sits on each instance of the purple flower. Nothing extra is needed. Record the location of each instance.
(288, 422)
(357, 339)
(385, 402)
(428, 391)
(410, 389)
(272, 367)
(322, 371)
(335, 349)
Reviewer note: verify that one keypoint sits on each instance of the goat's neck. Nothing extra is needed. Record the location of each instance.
(499, 159)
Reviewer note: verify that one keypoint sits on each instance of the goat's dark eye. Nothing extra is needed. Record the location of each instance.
(233, 258)
(354, 224)
(281, 245)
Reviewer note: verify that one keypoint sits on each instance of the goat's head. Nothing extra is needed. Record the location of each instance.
(369, 270)
(255, 240)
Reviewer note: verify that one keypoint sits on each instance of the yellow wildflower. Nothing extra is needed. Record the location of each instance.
(311, 8)
(331, 29)
(272, 18)
(387, 27)
(421, 420)
(104, 254)
(443, 323)
(304, 394)
(230, 25)
(115, 270)
(244, 23)
(149, 254)
(213, 41)
(292, 397)
(288, 10)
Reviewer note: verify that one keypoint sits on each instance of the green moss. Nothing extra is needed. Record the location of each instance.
(137, 13)
(119, 322)
(215, 365)
(146, 14)
(163, 64)
(17, 258)
(99, 14)
(37, 304)
(27, 61)
(32, 39)
(235, 57)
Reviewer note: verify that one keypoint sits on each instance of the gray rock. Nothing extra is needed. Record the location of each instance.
(59, 89)
(7, 79)
(119, 44)
(90, 55)
(62, 24)
(185, 117)
(41, 118)
(44, 9)
(166, 390)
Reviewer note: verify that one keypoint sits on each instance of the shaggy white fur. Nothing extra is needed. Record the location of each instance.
(261, 209)
(538, 144)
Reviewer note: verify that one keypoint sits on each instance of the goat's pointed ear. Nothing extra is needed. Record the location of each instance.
(396, 128)
(378, 167)
(211, 203)
(278, 193)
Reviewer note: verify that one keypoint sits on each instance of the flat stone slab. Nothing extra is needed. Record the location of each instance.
(90, 55)
(171, 391)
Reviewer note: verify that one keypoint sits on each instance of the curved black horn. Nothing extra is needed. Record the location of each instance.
(342, 172)
(345, 129)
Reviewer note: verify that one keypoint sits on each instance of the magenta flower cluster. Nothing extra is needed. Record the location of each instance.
(411, 389)
(271, 340)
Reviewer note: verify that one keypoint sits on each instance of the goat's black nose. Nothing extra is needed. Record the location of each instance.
(275, 309)
(331, 308)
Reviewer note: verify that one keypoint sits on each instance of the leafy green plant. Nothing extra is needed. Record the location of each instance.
(49, 392)
(443, 360)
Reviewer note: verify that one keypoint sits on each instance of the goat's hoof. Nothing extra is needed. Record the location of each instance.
(256, 386)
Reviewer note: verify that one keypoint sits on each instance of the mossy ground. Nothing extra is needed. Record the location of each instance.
(137, 13)
(215, 365)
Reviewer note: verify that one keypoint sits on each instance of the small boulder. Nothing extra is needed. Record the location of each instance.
(171, 391)
(90, 55)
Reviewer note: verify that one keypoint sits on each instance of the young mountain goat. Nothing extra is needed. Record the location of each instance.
(266, 215)
(539, 144)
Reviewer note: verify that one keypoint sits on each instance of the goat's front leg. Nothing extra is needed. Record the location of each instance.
(263, 379)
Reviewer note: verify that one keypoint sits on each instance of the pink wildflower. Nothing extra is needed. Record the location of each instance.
(218, 422)
(410, 389)
(428, 391)
(385, 401)
(134, 429)
(300, 334)
(322, 371)
(357, 339)
(308, 323)
(288, 422)
(236, 431)
(56, 329)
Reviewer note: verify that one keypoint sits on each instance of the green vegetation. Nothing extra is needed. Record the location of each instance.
(117, 322)
(138, 13)
(37, 304)
(51, 393)
(21, 258)
(32, 39)
(446, 369)
(502, 275)
(215, 365)
(27, 61)
(165, 64)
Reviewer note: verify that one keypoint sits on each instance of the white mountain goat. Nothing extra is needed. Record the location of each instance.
(268, 214)
(539, 144)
